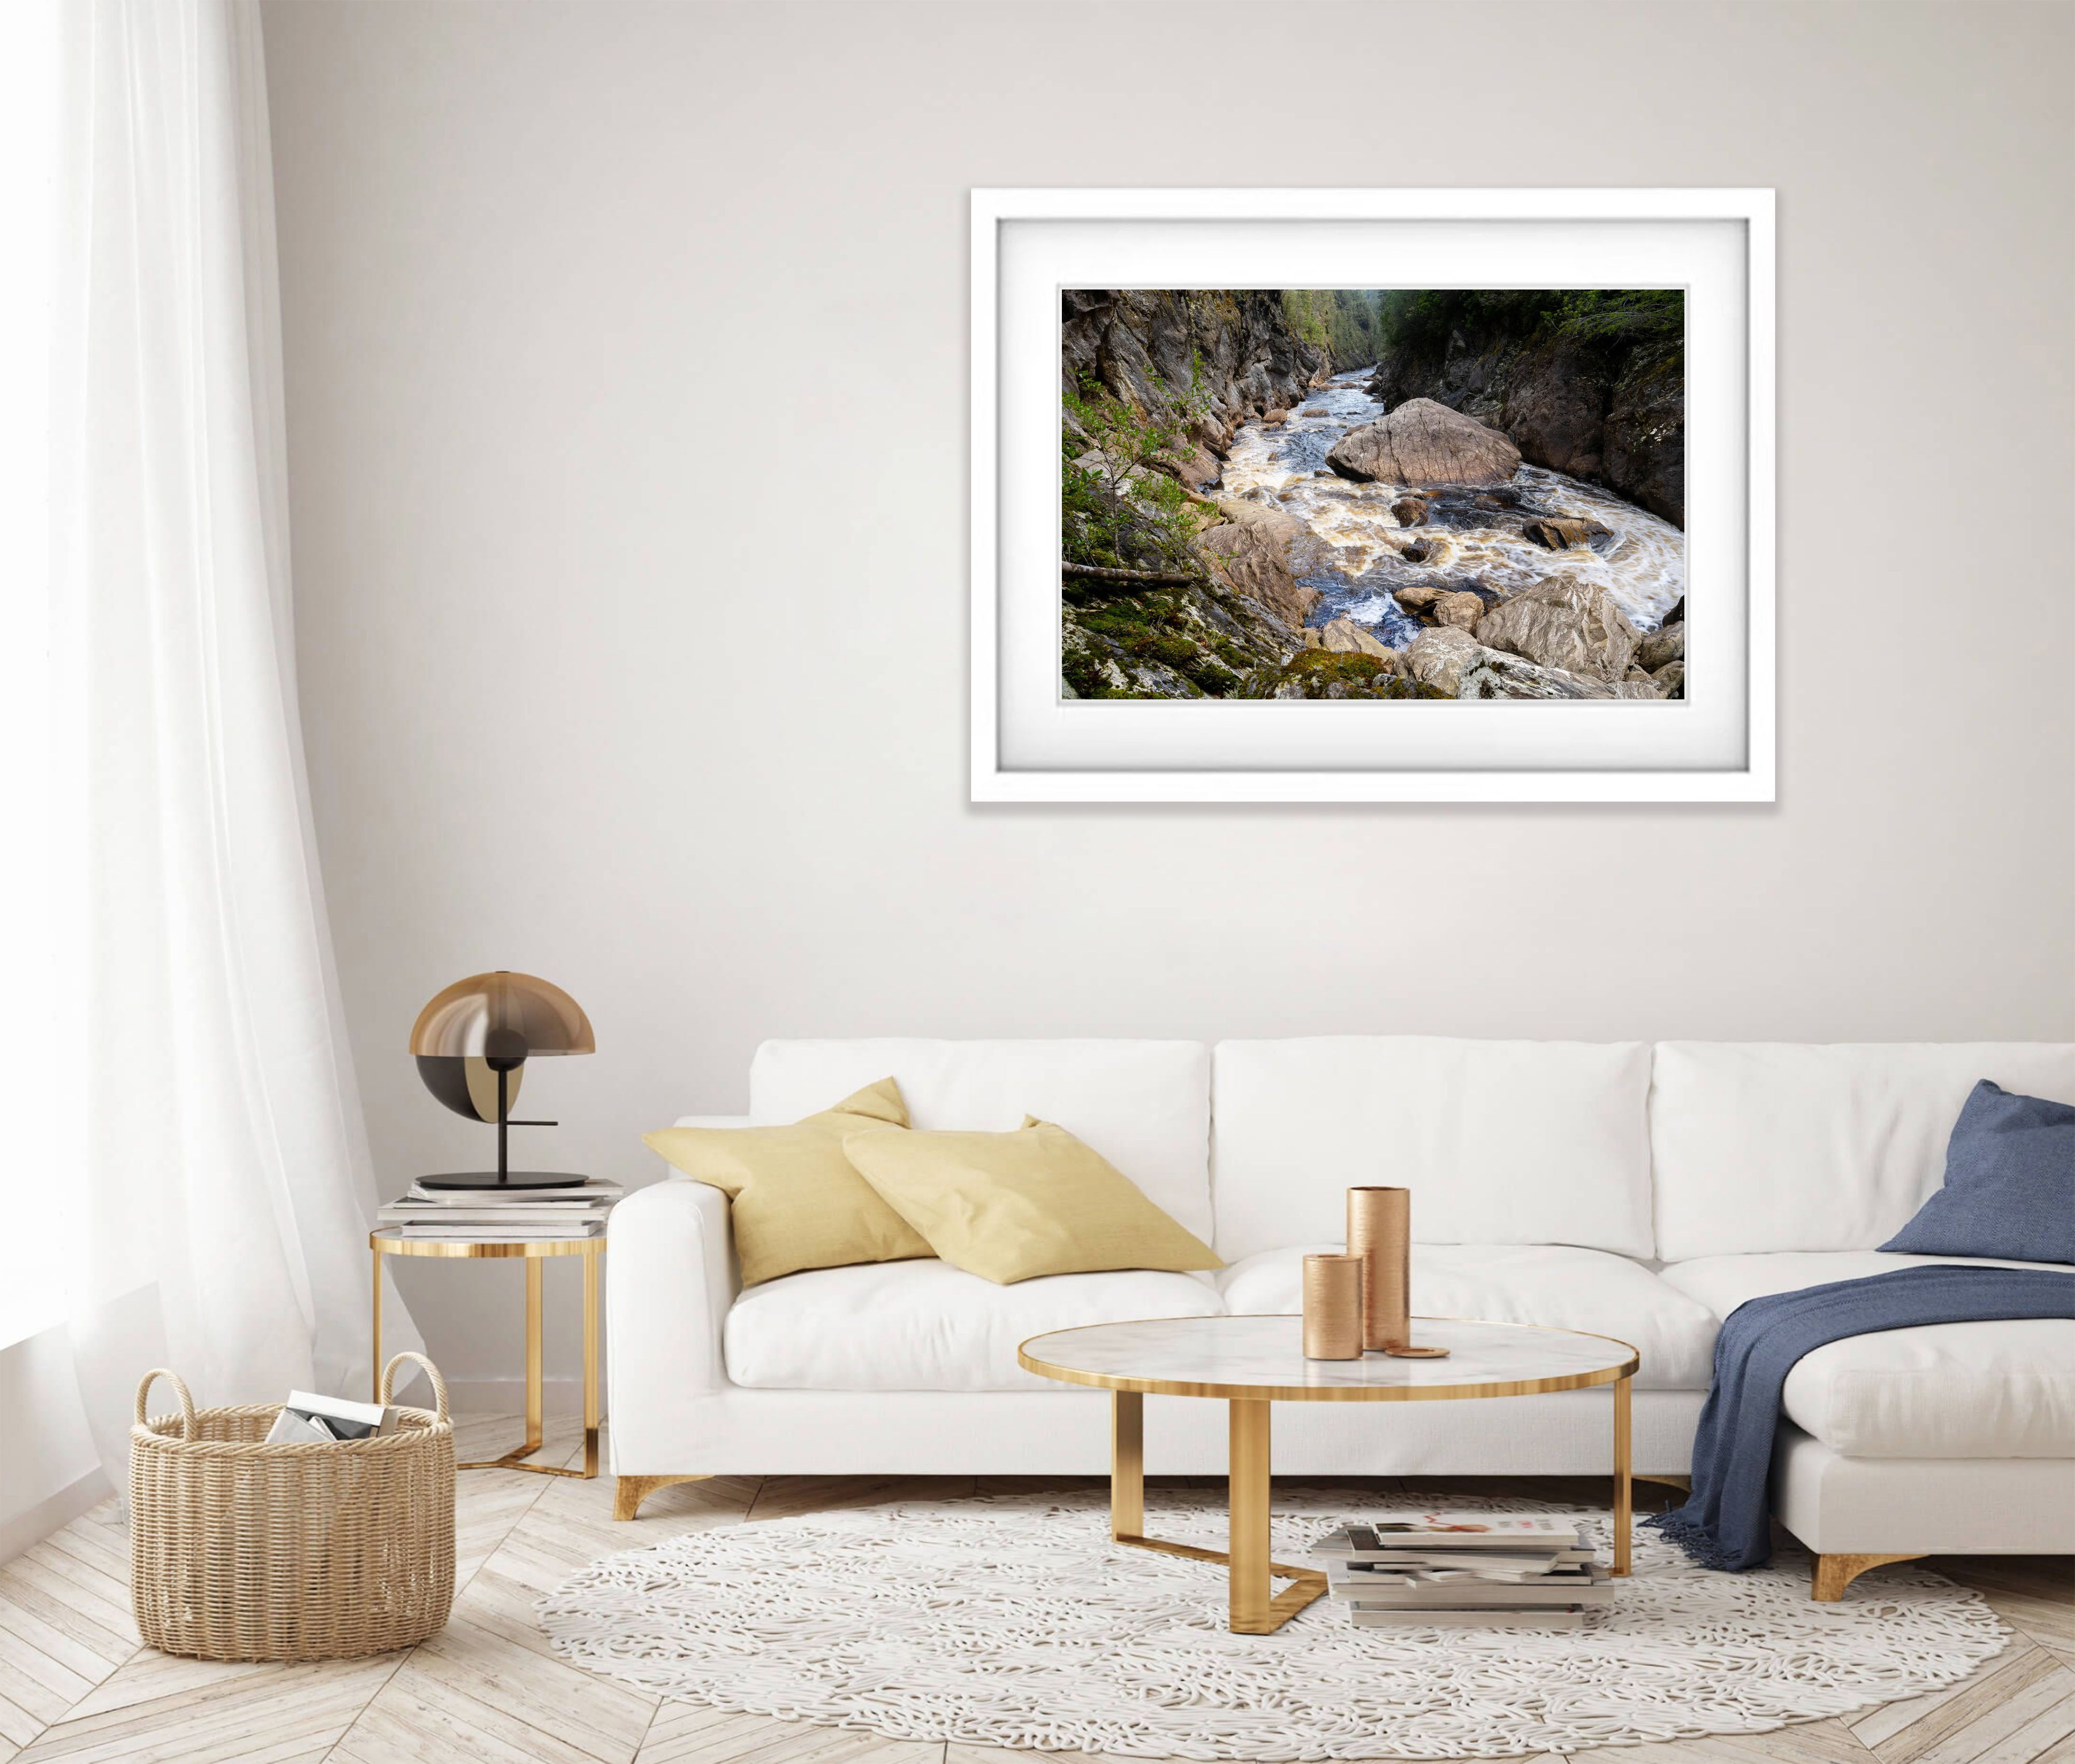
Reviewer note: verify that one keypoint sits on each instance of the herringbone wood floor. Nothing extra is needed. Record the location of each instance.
(75, 1685)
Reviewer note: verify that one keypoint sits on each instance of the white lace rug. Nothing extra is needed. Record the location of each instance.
(1015, 1621)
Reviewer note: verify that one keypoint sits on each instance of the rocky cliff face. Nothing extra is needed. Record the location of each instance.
(1611, 415)
(1141, 345)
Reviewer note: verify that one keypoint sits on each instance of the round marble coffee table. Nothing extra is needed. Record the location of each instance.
(1253, 1361)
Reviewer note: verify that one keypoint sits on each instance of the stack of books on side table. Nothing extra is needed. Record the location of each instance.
(578, 1209)
(1525, 1570)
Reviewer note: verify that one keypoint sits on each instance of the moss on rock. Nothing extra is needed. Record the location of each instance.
(1201, 640)
(1326, 674)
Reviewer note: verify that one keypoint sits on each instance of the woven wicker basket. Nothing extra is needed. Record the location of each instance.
(244, 1551)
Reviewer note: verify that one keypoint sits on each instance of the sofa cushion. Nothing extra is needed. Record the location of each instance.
(1514, 1142)
(928, 1326)
(2010, 1183)
(2003, 1389)
(1020, 1206)
(795, 1199)
(1144, 1105)
(1674, 1335)
(1761, 1147)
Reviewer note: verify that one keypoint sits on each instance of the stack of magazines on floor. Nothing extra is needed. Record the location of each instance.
(576, 1209)
(1525, 1570)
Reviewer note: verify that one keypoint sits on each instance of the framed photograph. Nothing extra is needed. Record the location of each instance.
(1372, 495)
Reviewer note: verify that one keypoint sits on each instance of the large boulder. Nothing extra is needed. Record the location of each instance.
(1418, 596)
(1437, 658)
(1563, 622)
(1257, 513)
(1421, 443)
(1494, 674)
(1253, 549)
(1344, 636)
(1560, 532)
(1453, 663)
(1460, 609)
(1196, 468)
(1671, 680)
(1666, 644)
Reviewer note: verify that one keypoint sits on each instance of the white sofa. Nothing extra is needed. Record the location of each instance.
(1633, 1191)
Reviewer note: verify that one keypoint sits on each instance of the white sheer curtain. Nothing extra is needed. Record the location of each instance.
(209, 1132)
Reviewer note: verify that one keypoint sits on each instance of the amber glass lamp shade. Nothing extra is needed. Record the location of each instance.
(471, 1042)
(501, 1016)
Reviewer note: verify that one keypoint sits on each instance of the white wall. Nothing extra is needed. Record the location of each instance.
(49, 1473)
(627, 375)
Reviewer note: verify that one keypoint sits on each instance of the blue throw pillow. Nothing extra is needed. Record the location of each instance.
(2010, 1183)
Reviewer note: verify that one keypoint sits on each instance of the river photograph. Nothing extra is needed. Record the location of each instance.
(1362, 494)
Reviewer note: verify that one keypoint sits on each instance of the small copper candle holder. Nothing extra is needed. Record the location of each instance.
(1380, 1232)
(1332, 1307)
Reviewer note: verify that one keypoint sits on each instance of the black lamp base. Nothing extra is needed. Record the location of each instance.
(490, 1180)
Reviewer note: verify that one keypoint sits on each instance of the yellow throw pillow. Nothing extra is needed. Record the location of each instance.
(794, 1199)
(1010, 1206)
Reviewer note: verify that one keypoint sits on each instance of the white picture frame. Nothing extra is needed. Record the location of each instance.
(1029, 745)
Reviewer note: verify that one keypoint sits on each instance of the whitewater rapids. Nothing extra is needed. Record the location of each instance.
(1355, 568)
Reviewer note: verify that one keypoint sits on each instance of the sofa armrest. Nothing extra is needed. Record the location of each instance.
(672, 1279)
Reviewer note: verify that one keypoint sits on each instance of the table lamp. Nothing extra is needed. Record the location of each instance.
(472, 1042)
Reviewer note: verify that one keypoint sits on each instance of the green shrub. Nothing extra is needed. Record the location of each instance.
(1122, 512)
(1420, 320)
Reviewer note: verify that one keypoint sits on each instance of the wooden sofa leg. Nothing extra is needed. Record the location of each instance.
(1834, 1573)
(630, 1492)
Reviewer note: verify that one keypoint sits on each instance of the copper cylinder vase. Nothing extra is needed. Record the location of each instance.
(1332, 1307)
(1380, 1232)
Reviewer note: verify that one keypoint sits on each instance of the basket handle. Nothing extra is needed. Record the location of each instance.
(432, 1371)
(180, 1390)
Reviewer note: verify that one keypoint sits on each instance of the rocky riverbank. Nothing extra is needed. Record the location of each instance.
(1294, 536)
(1593, 397)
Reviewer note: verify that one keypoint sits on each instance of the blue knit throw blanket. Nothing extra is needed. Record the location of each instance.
(1725, 1521)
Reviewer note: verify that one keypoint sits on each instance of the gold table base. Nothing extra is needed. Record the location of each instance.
(592, 1250)
(1255, 1608)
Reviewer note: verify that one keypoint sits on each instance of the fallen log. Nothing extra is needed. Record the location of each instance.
(1150, 578)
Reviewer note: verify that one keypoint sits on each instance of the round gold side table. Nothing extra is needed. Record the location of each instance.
(392, 1242)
